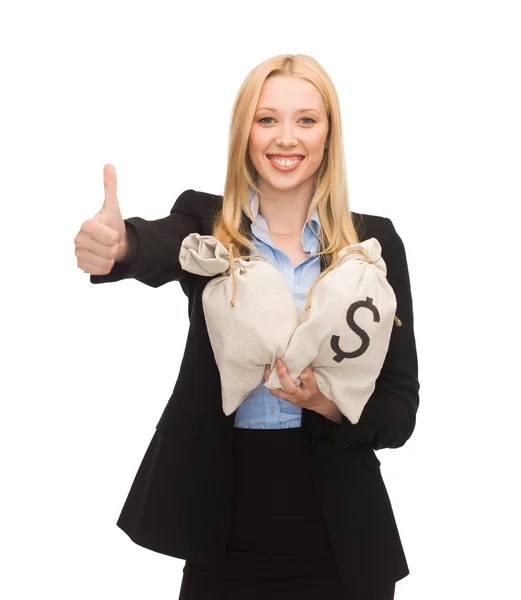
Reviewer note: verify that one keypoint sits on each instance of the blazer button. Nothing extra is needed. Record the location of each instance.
(308, 440)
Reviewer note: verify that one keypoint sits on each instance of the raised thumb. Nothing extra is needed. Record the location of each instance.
(111, 204)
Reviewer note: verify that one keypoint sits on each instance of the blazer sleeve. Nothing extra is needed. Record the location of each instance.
(155, 245)
(389, 417)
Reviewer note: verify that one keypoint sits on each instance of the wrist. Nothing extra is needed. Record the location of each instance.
(127, 246)
(122, 249)
(327, 408)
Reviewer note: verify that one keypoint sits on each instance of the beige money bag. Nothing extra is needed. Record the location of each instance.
(345, 333)
(250, 314)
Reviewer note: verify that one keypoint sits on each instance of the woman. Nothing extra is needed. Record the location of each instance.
(284, 498)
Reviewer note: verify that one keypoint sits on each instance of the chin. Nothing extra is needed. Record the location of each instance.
(281, 185)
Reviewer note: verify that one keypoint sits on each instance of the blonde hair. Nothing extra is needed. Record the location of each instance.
(330, 196)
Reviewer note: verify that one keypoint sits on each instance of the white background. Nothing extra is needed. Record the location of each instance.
(430, 103)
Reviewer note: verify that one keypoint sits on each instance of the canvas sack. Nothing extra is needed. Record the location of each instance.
(345, 333)
(250, 314)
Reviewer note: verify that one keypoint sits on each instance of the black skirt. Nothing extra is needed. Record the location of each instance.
(278, 546)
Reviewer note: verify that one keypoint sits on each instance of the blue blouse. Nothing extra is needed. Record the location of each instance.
(260, 409)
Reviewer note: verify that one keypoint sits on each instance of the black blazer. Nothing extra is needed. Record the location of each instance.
(179, 501)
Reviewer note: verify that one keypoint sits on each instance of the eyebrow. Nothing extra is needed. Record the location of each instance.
(299, 110)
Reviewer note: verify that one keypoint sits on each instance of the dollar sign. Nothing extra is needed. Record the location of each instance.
(350, 318)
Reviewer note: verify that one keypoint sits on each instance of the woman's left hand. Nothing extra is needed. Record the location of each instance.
(306, 395)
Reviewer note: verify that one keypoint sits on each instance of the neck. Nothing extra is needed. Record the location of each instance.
(285, 210)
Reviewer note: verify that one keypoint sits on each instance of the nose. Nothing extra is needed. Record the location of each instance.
(286, 137)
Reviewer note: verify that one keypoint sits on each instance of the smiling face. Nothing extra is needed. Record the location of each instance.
(290, 119)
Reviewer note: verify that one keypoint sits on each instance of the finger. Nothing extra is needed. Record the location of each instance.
(94, 267)
(282, 394)
(100, 260)
(100, 233)
(110, 183)
(287, 383)
(308, 381)
(306, 374)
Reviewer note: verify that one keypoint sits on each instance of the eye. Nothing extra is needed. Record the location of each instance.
(307, 118)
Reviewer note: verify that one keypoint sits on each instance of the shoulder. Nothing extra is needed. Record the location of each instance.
(383, 229)
(208, 198)
(368, 226)
(201, 206)
(202, 200)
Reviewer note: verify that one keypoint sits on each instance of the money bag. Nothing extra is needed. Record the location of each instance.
(344, 331)
(249, 311)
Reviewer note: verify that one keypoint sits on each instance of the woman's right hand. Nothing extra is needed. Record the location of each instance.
(102, 240)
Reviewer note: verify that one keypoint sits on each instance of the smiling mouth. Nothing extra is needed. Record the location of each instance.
(285, 156)
(285, 162)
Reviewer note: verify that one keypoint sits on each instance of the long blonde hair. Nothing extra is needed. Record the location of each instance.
(330, 196)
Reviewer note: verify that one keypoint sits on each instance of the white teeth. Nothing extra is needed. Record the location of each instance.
(285, 162)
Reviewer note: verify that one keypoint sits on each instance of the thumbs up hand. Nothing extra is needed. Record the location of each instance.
(102, 240)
